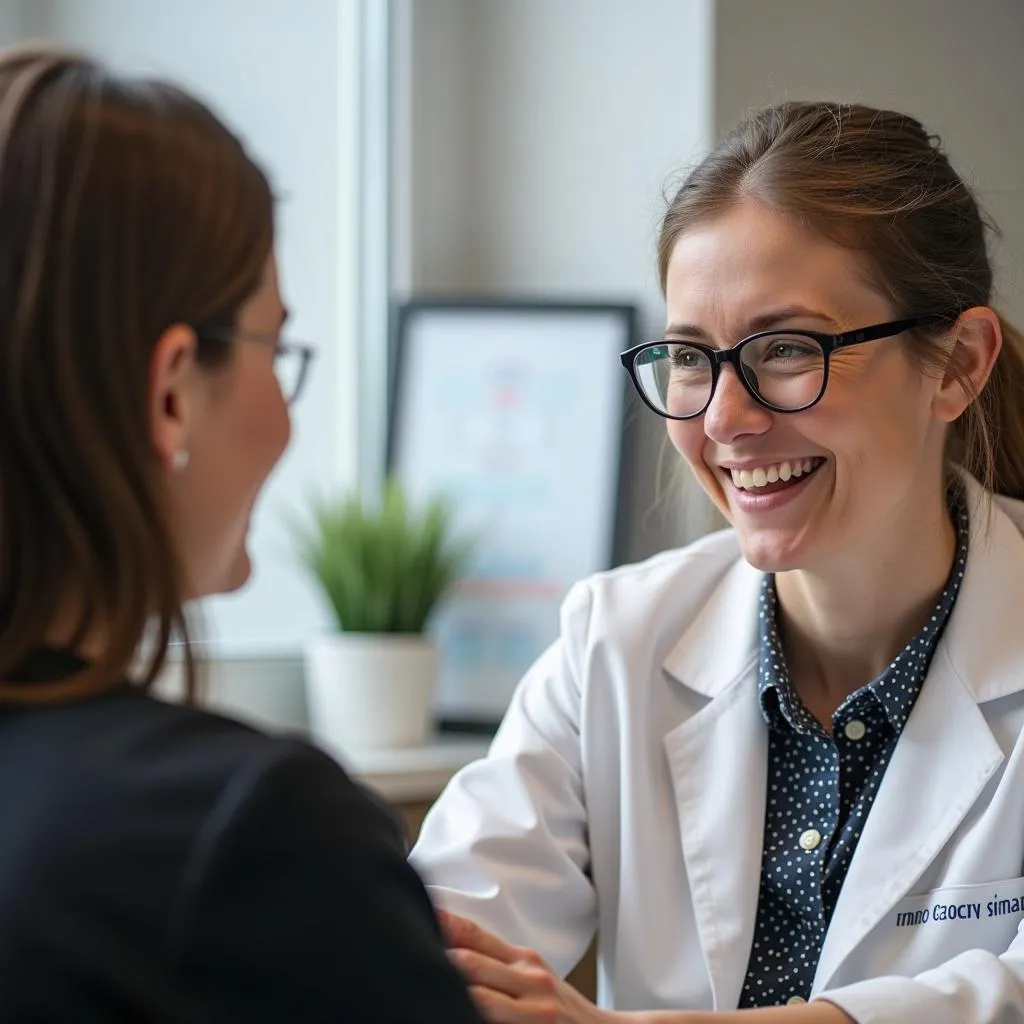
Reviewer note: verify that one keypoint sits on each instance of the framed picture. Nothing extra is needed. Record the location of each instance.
(516, 412)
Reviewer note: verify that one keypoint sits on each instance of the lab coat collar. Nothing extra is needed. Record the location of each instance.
(947, 753)
(717, 762)
(944, 759)
(720, 642)
(987, 611)
(722, 749)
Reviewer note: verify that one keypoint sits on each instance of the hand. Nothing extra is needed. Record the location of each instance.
(512, 984)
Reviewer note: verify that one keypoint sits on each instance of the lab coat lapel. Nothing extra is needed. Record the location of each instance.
(942, 762)
(947, 752)
(717, 760)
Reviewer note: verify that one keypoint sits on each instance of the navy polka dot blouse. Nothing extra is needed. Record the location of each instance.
(820, 791)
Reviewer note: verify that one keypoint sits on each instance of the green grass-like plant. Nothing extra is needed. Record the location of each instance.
(383, 568)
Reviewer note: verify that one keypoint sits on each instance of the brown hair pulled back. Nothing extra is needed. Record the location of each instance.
(876, 182)
(125, 207)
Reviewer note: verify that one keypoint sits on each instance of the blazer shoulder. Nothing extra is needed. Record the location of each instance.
(179, 739)
(225, 759)
(157, 769)
(294, 850)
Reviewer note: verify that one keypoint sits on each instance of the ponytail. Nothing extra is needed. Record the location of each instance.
(988, 440)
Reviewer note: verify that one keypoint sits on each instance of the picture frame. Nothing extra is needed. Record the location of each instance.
(516, 411)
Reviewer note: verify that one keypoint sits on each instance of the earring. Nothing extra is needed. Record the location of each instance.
(180, 460)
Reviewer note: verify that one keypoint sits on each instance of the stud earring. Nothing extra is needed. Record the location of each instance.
(180, 460)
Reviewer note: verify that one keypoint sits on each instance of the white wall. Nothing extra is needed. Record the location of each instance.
(15, 22)
(955, 64)
(271, 68)
(543, 134)
(437, 146)
(554, 126)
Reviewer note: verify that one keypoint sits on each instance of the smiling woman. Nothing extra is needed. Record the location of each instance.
(876, 474)
(749, 764)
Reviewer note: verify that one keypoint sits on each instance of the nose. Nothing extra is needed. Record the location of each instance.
(733, 413)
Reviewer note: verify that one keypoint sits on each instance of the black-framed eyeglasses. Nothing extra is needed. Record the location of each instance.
(783, 370)
(291, 358)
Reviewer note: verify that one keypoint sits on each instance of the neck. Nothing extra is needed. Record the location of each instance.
(842, 624)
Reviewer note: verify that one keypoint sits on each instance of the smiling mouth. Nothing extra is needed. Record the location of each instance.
(776, 476)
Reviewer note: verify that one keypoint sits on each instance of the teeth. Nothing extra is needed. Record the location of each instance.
(749, 479)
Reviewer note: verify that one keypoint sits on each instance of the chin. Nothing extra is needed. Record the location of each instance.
(235, 576)
(773, 554)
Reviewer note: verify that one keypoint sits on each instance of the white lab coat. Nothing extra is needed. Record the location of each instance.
(625, 791)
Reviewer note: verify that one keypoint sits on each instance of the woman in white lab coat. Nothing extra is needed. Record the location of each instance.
(781, 772)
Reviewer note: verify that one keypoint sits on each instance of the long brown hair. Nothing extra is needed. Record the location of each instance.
(876, 182)
(125, 207)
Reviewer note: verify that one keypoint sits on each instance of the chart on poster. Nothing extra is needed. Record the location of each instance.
(514, 412)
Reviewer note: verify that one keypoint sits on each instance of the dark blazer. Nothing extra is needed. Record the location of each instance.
(162, 864)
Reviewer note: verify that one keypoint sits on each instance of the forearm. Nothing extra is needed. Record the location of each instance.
(808, 1013)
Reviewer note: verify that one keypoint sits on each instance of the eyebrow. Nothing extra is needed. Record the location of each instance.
(762, 322)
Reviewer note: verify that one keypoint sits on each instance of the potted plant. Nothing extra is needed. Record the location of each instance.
(383, 569)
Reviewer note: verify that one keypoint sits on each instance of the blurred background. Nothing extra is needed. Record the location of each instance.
(510, 148)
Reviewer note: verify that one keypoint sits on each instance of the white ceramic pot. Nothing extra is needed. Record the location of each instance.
(370, 691)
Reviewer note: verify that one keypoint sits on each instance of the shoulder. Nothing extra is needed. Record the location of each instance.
(670, 587)
(286, 809)
(298, 897)
(250, 869)
(131, 737)
(1012, 508)
(279, 795)
(618, 627)
(162, 780)
(214, 812)
(127, 738)
(225, 770)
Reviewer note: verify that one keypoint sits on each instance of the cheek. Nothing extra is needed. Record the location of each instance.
(244, 433)
(262, 419)
(881, 420)
(247, 437)
(688, 438)
(278, 420)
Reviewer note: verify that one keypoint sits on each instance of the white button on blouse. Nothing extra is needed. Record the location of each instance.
(810, 839)
(855, 729)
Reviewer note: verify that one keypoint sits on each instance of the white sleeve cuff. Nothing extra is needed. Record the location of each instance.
(895, 1000)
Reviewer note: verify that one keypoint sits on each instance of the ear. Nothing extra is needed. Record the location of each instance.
(172, 377)
(976, 339)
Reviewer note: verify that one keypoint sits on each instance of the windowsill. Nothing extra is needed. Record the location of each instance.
(414, 774)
